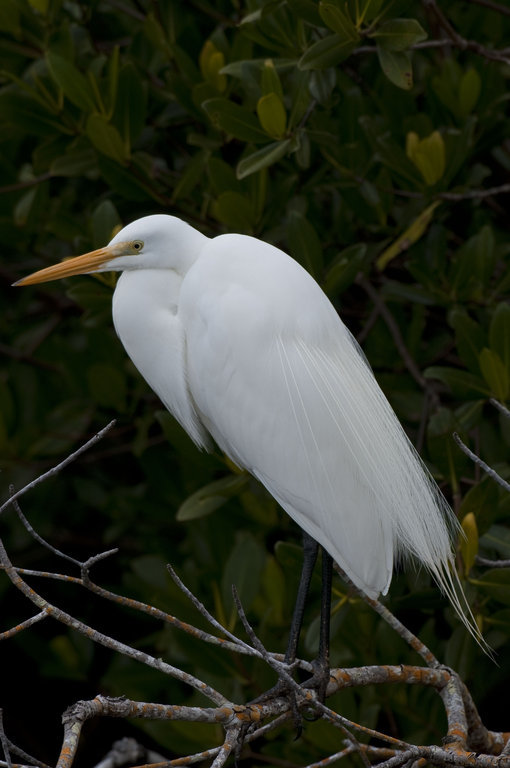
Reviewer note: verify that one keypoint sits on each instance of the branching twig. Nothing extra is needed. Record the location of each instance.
(102, 639)
(457, 41)
(465, 729)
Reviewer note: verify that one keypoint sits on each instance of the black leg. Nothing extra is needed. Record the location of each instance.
(310, 550)
(320, 678)
(321, 663)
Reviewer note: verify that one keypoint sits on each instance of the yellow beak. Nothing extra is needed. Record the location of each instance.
(78, 265)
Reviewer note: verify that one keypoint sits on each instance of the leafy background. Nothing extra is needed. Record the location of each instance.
(357, 136)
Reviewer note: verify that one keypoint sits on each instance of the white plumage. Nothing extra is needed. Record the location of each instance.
(242, 345)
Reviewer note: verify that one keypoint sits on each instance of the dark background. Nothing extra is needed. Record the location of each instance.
(113, 110)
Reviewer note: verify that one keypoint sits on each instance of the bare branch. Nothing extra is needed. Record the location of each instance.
(102, 639)
(4, 742)
(24, 625)
(208, 616)
(414, 642)
(457, 41)
(478, 461)
(56, 469)
(487, 563)
(500, 407)
(128, 750)
(475, 194)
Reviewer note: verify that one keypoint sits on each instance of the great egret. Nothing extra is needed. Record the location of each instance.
(242, 346)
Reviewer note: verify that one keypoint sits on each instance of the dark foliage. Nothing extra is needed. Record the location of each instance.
(335, 131)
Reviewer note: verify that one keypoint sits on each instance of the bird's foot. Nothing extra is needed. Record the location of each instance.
(283, 690)
(318, 682)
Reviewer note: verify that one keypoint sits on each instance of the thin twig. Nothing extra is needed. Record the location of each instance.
(128, 751)
(503, 409)
(105, 640)
(487, 563)
(228, 746)
(241, 645)
(307, 697)
(56, 469)
(476, 194)
(463, 44)
(24, 625)
(29, 759)
(34, 533)
(4, 741)
(414, 642)
(478, 461)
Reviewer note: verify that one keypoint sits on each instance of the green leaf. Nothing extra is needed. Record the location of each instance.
(469, 337)
(462, 384)
(497, 538)
(234, 210)
(130, 111)
(243, 570)
(74, 162)
(263, 158)
(272, 115)
(499, 333)
(270, 80)
(75, 86)
(41, 6)
(411, 235)
(211, 497)
(304, 243)
(211, 63)
(106, 138)
(222, 176)
(190, 176)
(123, 181)
(495, 373)
(500, 620)
(482, 502)
(344, 268)
(496, 584)
(234, 119)
(25, 114)
(428, 155)
(327, 52)
(95, 299)
(10, 18)
(399, 34)
(397, 67)
(469, 542)
(473, 265)
(105, 222)
(107, 386)
(322, 84)
(307, 10)
(339, 21)
(469, 91)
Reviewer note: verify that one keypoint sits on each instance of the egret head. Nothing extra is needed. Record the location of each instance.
(153, 242)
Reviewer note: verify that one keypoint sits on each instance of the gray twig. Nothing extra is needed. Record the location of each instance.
(478, 461)
(56, 469)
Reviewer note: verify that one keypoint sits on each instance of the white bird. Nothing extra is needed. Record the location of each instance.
(242, 346)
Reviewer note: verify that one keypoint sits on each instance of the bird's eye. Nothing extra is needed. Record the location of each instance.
(137, 245)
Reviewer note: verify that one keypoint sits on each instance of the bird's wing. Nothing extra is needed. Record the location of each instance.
(281, 396)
